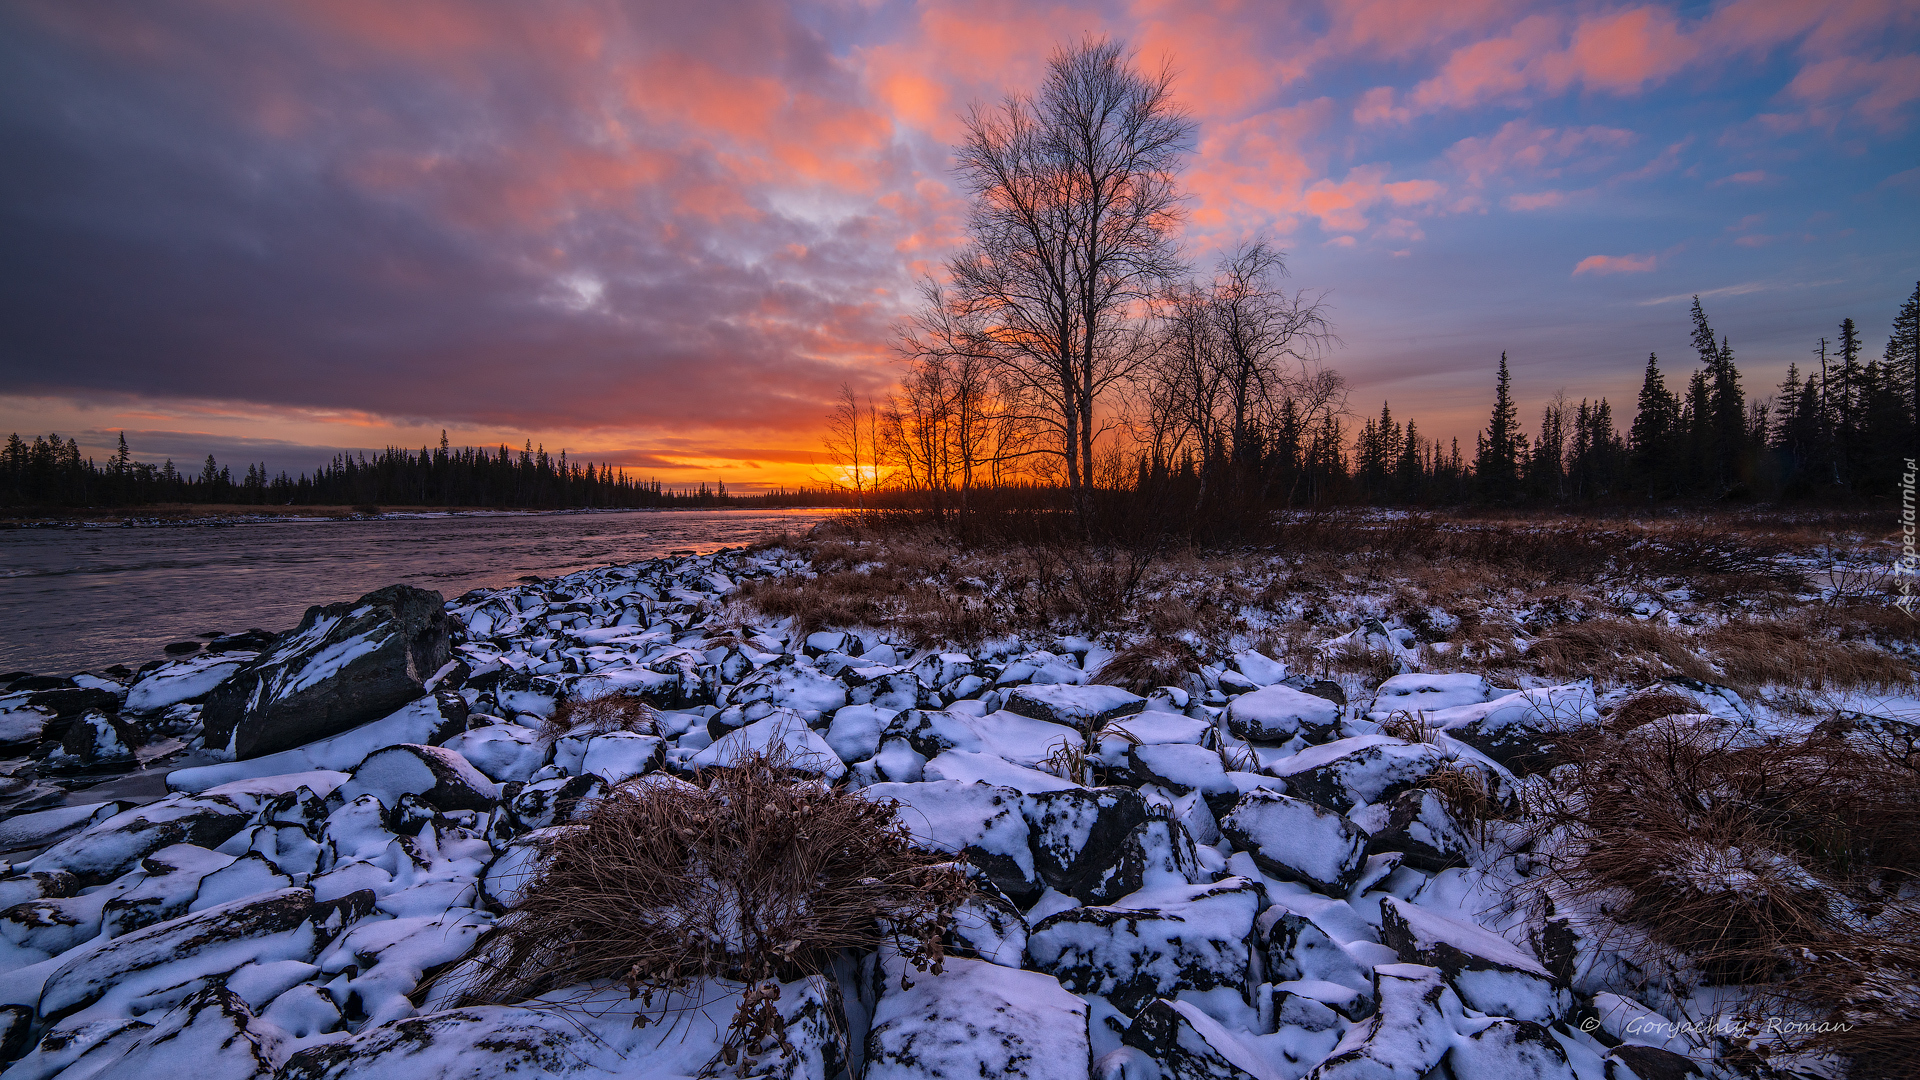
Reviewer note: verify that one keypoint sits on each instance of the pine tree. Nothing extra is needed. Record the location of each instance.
(1729, 420)
(1498, 451)
(1903, 359)
(1654, 433)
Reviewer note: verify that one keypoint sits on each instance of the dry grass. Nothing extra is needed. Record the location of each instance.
(761, 874)
(1621, 650)
(1759, 864)
(1463, 790)
(600, 715)
(1784, 652)
(1411, 726)
(1646, 707)
(1155, 661)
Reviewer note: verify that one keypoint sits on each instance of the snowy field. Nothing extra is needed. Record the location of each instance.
(1295, 842)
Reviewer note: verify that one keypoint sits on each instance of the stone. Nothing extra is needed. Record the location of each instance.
(116, 845)
(1489, 972)
(1078, 837)
(1507, 1047)
(1085, 708)
(1180, 768)
(1525, 731)
(1190, 1045)
(1154, 943)
(977, 1021)
(212, 1035)
(1299, 951)
(1363, 769)
(1407, 1035)
(344, 665)
(1275, 714)
(1420, 828)
(437, 775)
(1631, 1062)
(1296, 840)
(983, 824)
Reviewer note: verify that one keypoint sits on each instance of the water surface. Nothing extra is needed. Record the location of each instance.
(85, 598)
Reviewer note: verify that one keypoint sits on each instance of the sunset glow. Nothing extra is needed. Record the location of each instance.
(664, 235)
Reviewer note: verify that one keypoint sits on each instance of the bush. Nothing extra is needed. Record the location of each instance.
(761, 874)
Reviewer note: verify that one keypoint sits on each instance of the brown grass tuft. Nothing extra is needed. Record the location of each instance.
(1152, 662)
(1616, 648)
(1648, 706)
(601, 714)
(1769, 864)
(762, 874)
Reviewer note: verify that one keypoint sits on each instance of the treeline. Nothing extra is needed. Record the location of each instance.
(51, 472)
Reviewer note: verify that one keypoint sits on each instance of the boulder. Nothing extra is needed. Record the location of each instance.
(782, 734)
(1490, 973)
(1631, 1062)
(167, 962)
(1509, 1047)
(977, 1021)
(1364, 769)
(855, 731)
(1422, 692)
(1079, 837)
(503, 752)
(1180, 768)
(983, 824)
(1407, 1034)
(1297, 950)
(1155, 943)
(622, 755)
(1296, 840)
(1420, 828)
(1085, 708)
(987, 926)
(1524, 731)
(435, 774)
(1190, 1045)
(344, 665)
(554, 801)
(116, 845)
(1274, 714)
(212, 1035)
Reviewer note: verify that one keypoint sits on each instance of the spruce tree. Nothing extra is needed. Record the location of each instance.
(1654, 431)
(1729, 419)
(1903, 358)
(1497, 455)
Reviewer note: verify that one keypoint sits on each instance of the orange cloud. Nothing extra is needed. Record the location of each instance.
(1615, 264)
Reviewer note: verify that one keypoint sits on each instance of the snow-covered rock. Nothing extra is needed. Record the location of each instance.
(105, 851)
(984, 823)
(1153, 943)
(345, 664)
(1079, 840)
(1190, 1045)
(1522, 730)
(435, 774)
(1420, 828)
(1083, 707)
(977, 1021)
(1296, 840)
(1408, 1033)
(1424, 692)
(1490, 973)
(1276, 714)
(426, 720)
(784, 733)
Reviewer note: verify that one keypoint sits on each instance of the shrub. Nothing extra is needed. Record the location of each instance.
(755, 874)
(1155, 661)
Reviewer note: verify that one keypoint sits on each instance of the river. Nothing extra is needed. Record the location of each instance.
(77, 598)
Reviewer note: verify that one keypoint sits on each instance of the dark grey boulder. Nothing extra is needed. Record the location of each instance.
(1489, 972)
(344, 665)
(436, 775)
(1419, 827)
(1188, 1044)
(16, 1030)
(116, 845)
(1630, 1062)
(1083, 707)
(1079, 840)
(1517, 1048)
(1296, 840)
(1171, 939)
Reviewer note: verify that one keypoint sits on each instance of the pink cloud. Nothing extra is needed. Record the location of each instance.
(1522, 147)
(1539, 200)
(1615, 264)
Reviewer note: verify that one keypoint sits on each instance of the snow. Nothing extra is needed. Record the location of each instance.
(1424, 692)
(183, 680)
(415, 722)
(1278, 713)
(803, 747)
(968, 767)
(978, 1020)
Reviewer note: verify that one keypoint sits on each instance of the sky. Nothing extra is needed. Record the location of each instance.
(663, 235)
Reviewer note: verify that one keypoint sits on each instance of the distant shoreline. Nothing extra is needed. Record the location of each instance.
(227, 514)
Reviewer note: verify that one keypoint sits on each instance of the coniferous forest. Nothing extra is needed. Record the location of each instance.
(1839, 428)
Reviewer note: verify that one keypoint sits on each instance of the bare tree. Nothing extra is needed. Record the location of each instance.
(853, 445)
(1074, 210)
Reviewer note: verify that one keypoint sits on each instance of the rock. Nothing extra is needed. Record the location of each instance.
(172, 882)
(783, 734)
(94, 739)
(1423, 692)
(344, 665)
(1364, 769)
(1180, 768)
(1274, 714)
(1296, 840)
(1524, 731)
(1004, 734)
(1078, 837)
(502, 752)
(1190, 1045)
(987, 926)
(86, 1049)
(16, 1030)
(438, 775)
(176, 681)
(983, 824)
(114, 846)
(855, 731)
(1509, 1047)
(1630, 1062)
(427, 720)
(1085, 708)
(22, 726)
(167, 962)
(212, 1035)
(544, 803)
(978, 1021)
(73, 701)
(790, 686)
(1419, 827)
(623, 755)
(1407, 1035)
(1490, 973)
(41, 828)
(1321, 688)
(885, 687)
(1299, 951)
(1153, 944)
